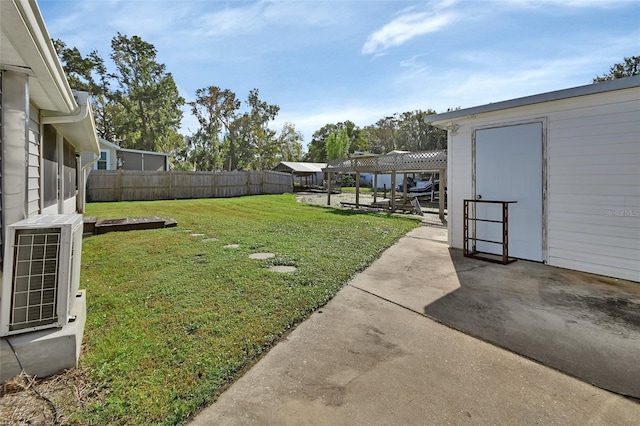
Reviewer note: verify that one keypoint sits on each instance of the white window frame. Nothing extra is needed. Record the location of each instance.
(107, 159)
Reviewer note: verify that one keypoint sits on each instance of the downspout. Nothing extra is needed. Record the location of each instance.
(82, 186)
(79, 114)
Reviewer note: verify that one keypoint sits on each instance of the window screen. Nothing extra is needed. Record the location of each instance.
(50, 167)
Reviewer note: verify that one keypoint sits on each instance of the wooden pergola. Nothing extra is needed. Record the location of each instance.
(393, 164)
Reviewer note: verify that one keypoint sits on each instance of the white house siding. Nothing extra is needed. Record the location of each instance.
(86, 157)
(113, 157)
(33, 167)
(594, 186)
(459, 183)
(593, 179)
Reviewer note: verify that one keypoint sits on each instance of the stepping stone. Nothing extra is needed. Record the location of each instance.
(232, 246)
(282, 268)
(208, 240)
(261, 256)
(197, 235)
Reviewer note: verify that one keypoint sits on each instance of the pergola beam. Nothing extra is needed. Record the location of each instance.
(410, 162)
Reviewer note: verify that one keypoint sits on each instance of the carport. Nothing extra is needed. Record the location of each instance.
(308, 175)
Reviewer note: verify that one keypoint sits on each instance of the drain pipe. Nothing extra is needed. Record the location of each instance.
(78, 114)
(82, 188)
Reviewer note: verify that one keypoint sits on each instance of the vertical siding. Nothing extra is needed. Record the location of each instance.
(594, 186)
(459, 182)
(593, 179)
(33, 167)
(1, 174)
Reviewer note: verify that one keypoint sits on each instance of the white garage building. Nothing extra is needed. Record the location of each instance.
(571, 161)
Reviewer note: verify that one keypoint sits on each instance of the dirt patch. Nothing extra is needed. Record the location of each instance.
(336, 199)
(28, 401)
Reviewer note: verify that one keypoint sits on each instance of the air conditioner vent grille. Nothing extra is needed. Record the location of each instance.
(35, 281)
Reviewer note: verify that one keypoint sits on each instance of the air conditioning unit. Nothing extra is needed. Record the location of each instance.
(41, 273)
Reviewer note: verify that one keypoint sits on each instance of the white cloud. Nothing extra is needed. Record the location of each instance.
(312, 120)
(408, 26)
(232, 21)
(568, 3)
(253, 18)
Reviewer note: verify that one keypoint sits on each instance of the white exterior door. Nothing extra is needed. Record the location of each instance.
(509, 168)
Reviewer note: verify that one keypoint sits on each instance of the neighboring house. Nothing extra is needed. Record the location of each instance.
(112, 157)
(43, 126)
(304, 174)
(571, 160)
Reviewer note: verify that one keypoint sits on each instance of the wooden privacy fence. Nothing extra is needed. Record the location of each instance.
(133, 185)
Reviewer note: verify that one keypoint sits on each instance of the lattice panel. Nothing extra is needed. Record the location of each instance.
(406, 162)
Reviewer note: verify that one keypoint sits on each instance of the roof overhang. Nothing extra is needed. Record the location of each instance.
(300, 167)
(78, 128)
(25, 45)
(445, 119)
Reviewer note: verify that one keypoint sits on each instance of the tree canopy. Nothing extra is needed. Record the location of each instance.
(407, 131)
(148, 94)
(627, 68)
(143, 111)
(230, 138)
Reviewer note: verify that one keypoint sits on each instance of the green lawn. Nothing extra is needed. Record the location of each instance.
(173, 319)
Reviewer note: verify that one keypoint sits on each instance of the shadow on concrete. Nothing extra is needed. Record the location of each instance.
(584, 325)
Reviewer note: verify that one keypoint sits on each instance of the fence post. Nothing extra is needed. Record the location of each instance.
(119, 186)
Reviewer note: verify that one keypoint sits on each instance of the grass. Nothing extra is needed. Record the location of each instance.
(352, 189)
(173, 319)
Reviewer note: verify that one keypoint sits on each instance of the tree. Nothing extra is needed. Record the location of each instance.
(233, 139)
(382, 135)
(337, 145)
(261, 151)
(289, 142)
(414, 134)
(629, 67)
(407, 131)
(215, 109)
(80, 70)
(144, 112)
(200, 153)
(89, 74)
(317, 147)
(148, 95)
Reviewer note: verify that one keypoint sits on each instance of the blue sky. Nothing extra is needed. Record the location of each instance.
(330, 61)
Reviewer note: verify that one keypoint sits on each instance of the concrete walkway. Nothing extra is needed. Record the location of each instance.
(372, 357)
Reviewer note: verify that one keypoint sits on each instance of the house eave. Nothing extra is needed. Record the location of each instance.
(78, 127)
(26, 45)
(444, 119)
